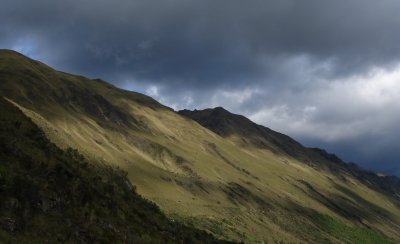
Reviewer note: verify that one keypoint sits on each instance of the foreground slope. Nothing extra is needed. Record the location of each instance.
(241, 191)
(50, 195)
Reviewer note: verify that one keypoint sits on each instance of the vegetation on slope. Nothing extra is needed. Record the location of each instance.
(260, 189)
(51, 195)
(227, 124)
(346, 233)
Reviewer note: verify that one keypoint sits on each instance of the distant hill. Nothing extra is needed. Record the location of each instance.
(249, 134)
(211, 170)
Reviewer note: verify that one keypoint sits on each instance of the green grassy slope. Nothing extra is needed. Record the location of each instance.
(233, 190)
(246, 133)
(51, 195)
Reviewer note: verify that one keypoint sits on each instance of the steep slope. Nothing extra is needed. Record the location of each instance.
(51, 195)
(235, 191)
(246, 133)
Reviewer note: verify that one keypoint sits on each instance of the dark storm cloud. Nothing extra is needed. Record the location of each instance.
(289, 64)
(205, 41)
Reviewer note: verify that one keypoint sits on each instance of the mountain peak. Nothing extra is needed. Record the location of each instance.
(219, 120)
(13, 62)
(226, 124)
(220, 109)
(12, 54)
(9, 51)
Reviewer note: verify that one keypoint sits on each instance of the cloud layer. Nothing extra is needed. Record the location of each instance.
(325, 72)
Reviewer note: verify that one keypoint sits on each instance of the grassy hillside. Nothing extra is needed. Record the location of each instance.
(239, 191)
(246, 133)
(51, 195)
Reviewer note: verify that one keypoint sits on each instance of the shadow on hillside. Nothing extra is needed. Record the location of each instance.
(366, 209)
(349, 205)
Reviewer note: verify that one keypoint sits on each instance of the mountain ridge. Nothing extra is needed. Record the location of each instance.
(227, 186)
(66, 199)
(217, 118)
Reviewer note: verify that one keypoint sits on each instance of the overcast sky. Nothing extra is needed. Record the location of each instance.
(324, 72)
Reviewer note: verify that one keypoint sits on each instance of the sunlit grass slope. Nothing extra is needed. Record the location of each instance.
(240, 191)
(49, 195)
